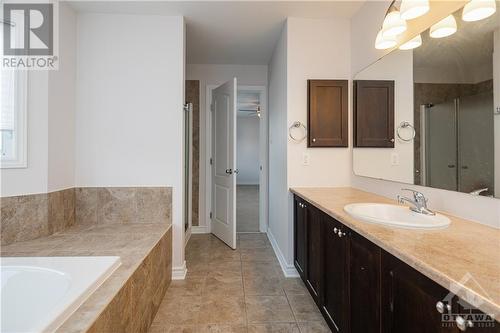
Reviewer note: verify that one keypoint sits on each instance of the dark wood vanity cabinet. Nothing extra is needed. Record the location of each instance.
(409, 300)
(327, 113)
(299, 232)
(373, 113)
(335, 296)
(313, 251)
(361, 288)
(365, 285)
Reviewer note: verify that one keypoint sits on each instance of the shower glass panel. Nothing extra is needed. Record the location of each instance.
(457, 144)
(476, 152)
(439, 162)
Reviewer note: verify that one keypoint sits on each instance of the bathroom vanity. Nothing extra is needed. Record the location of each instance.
(371, 278)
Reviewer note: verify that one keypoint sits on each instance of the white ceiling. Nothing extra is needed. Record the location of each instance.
(230, 32)
(470, 47)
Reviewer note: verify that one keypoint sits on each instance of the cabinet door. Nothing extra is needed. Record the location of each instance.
(313, 251)
(374, 114)
(364, 277)
(474, 320)
(327, 113)
(409, 300)
(299, 233)
(335, 301)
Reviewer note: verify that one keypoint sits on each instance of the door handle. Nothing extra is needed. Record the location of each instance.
(229, 171)
(236, 171)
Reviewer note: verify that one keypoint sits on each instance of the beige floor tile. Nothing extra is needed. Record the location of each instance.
(273, 328)
(191, 286)
(314, 327)
(173, 329)
(263, 285)
(258, 269)
(223, 283)
(178, 310)
(304, 308)
(252, 236)
(253, 243)
(224, 254)
(262, 254)
(265, 309)
(225, 266)
(294, 286)
(214, 328)
(227, 310)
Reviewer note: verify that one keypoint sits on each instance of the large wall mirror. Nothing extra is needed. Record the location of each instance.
(430, 116)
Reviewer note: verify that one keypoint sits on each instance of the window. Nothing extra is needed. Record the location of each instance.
(13, 122)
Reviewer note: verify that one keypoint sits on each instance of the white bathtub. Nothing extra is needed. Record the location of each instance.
(39, 293)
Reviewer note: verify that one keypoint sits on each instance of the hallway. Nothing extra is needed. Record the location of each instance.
(241, 291)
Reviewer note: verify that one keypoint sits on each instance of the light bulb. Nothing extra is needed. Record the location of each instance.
(393, 24)
(444, 28)
(411, 9)
(382, 43)
(412, 43)
(477, 10)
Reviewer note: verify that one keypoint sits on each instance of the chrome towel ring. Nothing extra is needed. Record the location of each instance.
(297, 124)
(406, 124)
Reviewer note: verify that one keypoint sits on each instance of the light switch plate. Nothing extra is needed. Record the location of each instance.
(305, 158)
(394, 159)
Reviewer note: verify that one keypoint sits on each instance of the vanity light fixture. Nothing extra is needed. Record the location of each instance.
(411, 9)
(412, 43)
(477, 10)
(393, 23)
(383, 43)
(444, 28)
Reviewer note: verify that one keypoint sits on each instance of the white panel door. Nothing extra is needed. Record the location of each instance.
(224, 162)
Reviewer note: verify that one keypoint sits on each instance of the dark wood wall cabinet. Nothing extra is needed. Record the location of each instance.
(361, 288)
(327, 113)
(373, 113)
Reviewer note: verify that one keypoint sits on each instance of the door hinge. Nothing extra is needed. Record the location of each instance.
(212, 107)
(211, 161)
(210, 215)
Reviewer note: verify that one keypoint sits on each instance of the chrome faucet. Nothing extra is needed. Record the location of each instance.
(419, 202)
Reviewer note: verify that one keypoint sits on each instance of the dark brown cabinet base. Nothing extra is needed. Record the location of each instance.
(360, 288)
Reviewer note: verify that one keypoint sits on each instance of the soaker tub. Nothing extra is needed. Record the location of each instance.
(39, 293)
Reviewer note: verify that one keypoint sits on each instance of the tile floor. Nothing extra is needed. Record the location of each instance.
(242, 291)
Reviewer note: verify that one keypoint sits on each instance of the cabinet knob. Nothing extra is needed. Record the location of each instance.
(441, 307)
(340, 233)
(463, 324)
(314, 139)
(392, 140)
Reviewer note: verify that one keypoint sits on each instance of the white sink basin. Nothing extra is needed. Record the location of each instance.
(395, 216)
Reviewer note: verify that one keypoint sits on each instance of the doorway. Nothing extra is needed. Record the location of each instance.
(248, 161)
(251, 177)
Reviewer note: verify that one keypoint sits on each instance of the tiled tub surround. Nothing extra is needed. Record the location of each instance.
(29, 217)
(32, 216)
(130, 297)
(450, 256)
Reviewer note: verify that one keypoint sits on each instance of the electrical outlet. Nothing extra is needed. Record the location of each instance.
(305, 158)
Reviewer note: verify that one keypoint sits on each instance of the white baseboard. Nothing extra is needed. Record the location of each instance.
(201, 229)
(179, 273)
(288, 270)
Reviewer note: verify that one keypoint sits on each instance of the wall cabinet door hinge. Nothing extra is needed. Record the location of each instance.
(211, 161)
(210, 215)
(212, 107)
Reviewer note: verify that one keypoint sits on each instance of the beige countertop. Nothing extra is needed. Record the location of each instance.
(132, 242)
(463, 258)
